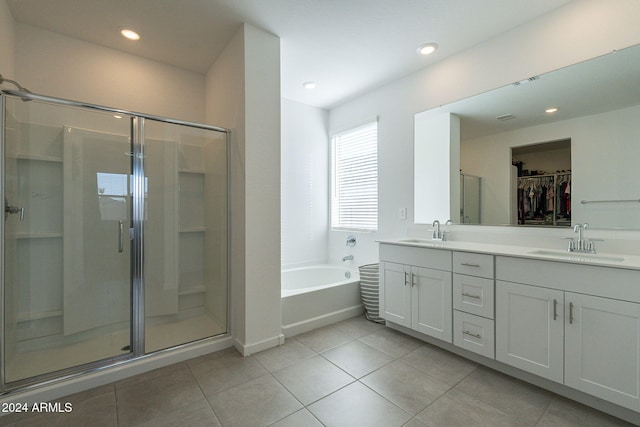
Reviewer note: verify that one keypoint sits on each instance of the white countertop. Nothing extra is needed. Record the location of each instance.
(600, 259)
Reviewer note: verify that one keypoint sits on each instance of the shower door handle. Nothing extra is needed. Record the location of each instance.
(120, 236)
(12, 210)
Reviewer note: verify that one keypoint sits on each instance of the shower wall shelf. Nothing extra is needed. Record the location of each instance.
(54, 159)
(20, 235)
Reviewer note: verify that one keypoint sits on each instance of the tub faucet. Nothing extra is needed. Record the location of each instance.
(347, 258)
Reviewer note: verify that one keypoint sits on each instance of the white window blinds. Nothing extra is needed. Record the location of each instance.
(355, 179)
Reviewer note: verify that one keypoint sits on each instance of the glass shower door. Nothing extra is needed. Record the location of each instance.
(185, 253)
(67, 251)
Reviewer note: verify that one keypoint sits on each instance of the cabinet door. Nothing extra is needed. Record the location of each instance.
(396, 293)
(602, 354)
(529, 329)
(431, 311)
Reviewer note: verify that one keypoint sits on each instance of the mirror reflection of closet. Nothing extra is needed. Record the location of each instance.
(543, 183)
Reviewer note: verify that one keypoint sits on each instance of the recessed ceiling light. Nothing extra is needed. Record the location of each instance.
(551, 110)
(117, 116)
(309, 85)
(427, 48)
(129, 34)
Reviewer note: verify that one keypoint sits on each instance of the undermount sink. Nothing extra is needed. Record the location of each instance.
(576, 256)
(426, 242)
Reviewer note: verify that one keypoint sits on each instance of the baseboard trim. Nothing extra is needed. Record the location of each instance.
(249, 349)
(297, 328)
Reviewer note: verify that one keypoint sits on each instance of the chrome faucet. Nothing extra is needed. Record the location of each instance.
(581, 245)
(437, 234)
(347, 258)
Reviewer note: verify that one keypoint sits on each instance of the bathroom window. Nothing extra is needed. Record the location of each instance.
(354, 194)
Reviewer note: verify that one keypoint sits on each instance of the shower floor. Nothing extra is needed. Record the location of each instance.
(159, 335)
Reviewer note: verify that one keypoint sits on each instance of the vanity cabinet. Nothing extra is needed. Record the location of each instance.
(473, 303)
(561, 322)
(602, 348)
(529, 329)
(415, 289)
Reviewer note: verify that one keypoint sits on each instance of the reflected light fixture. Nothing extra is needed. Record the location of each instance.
(551, 110)
(427, 48)
(129, 34)
(309, 85)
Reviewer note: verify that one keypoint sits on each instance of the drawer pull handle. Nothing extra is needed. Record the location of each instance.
(472, 335)
(464, 294)
(571, 313)
(467, 264)
(406, 278)
(413, 279)
(555, 309)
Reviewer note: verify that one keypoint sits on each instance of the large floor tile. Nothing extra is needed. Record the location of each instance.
(312, 379)
(357, 358)
(358, 327)
(357, 405)
(440, 363)
(415, 422)
(258, 402)
(394, 343)
(156, 373)
(277, 358)
(523, 402)
(323, 339)
(406, 386)
(224, 370)
(302, 418)
(157, 397)
(198, 414)
(456, 409)
(566, 413)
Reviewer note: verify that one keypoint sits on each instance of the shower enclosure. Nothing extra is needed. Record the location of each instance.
(114, 238)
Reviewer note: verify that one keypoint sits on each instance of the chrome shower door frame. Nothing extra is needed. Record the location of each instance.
(135, 232)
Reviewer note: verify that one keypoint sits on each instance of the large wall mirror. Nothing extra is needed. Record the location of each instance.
(539, 167)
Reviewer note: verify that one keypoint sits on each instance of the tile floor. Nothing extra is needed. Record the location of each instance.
(353, 373)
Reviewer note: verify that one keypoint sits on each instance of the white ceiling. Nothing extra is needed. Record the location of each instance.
(346, 46)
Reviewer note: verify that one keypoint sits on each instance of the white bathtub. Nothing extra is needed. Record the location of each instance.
(318, 295)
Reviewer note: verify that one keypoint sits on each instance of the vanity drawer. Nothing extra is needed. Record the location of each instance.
(473, 295)
(437, 259)
(480, 265)
(474, 333)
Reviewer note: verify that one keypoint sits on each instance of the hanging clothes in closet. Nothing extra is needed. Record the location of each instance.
(544, 199)
(534, 194)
